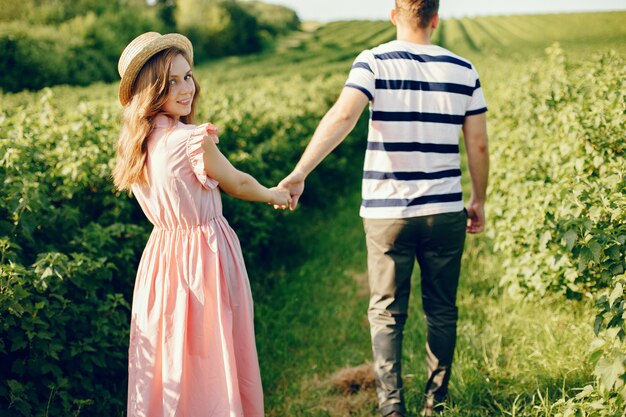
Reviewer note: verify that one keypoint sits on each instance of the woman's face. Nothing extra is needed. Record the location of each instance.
(182, 88)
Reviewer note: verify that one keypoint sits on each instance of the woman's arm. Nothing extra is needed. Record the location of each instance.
(236, 183)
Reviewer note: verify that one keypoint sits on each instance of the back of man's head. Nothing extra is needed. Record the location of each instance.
(417, 13)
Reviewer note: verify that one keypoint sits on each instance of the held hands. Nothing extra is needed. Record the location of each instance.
(288, 192)
(281, 198)
(294, 182)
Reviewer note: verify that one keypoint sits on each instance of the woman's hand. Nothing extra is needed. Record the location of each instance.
(281, 199)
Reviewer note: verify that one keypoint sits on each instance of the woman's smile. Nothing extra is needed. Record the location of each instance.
(181, 88)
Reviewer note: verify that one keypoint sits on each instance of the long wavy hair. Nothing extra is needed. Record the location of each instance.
(149, 94)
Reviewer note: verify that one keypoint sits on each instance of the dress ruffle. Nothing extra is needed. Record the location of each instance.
(195, 153)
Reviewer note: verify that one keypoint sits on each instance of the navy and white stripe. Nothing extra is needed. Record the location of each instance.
(414, 116)
(423, 58)
(412, 147)
(424, 86)
(417, 201)
(419, 98)
(363, 65)
(411, 175)
(361, 89)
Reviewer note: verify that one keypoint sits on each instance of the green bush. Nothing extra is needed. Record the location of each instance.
(33, 56)
(69, 250)
(559, 192)
(54, 12)
(78, 52)
(78, 43)
(218, 28)
(273, 18)
(103, 38)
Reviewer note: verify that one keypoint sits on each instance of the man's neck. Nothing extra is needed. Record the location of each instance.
(420, 37)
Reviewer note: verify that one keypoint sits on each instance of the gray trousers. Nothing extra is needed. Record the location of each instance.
(436, 241)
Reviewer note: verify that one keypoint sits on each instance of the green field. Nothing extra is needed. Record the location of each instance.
(531, 286)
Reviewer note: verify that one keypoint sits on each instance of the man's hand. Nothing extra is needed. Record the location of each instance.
(476, 217)
(294, 182)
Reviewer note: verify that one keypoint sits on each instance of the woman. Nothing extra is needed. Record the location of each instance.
(192, 350)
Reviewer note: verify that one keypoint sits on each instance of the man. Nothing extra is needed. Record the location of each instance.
(421, 96)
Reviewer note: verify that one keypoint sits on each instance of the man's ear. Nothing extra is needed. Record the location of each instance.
(394, 17)
(435, 22)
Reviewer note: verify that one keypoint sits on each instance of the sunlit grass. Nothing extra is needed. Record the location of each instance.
(513, 357)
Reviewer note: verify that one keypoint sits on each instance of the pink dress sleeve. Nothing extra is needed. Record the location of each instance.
(195, 153)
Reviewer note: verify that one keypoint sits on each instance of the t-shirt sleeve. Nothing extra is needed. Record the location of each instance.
(195, 153)
(477, 104)
(362, 75)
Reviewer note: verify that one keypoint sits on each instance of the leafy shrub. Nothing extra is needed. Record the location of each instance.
(78, 52)
(77, 43)
(559, 192)
(69, 250)
(273, 18)
(218, 28)
(103, 38)
(52, 12)
(33, 57)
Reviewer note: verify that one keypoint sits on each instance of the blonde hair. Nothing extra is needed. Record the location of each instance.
(149, 94)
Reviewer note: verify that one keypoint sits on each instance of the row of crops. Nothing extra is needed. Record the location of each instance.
(70, 244)
(558, 199)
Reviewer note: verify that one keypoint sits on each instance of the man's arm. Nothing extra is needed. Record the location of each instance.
(336, 124)
(475, 135)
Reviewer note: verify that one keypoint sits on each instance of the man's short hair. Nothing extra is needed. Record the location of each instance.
(417, 12)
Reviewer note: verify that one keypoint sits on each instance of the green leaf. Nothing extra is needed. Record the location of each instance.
(570, 239)
(596, 249)
(583, 259)
(597, 323)
(545, 238)
(614, 253)
(610, 368)
(18, 342)
(586, 392)
(617, 292)
(15, 386)
(595, 356)
(617, 269)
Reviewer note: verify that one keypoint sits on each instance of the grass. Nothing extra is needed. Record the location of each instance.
(513, 357)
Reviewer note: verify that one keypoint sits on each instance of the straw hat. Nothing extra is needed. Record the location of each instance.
(139, 51)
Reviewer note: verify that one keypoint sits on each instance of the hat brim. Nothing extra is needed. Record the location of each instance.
(170, 40)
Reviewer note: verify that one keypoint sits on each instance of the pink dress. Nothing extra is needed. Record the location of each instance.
(192, 349)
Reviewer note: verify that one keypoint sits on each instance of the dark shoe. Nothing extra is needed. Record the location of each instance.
(395, 414)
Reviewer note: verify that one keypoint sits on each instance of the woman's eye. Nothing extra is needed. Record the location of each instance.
(188, 77)
(172, 82)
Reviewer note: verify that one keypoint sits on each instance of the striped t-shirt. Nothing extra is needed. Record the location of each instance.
(419, 97)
